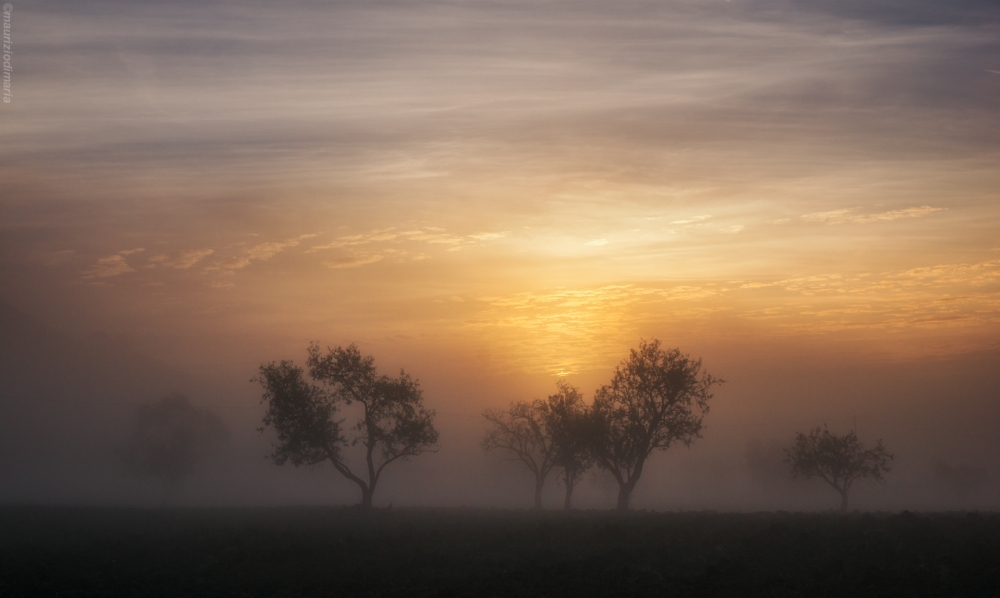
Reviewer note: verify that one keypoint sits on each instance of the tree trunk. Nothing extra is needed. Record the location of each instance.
(843, 501)
(570, 482)
(539, 484)
(366, 497)
(624, 493)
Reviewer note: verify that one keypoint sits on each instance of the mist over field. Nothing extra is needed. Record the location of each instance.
(70, 405)
(497, 196)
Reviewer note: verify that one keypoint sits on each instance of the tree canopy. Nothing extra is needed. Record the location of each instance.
(520, 431)
(837, 460)
(393, 423)
(570, 429)
(656, 397)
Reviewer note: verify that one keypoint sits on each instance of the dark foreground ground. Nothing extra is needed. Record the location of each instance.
(345, 552)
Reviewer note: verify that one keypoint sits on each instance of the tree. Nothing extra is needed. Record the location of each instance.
(169, 438)
(656, 397)
(837, 460)
(569, 426)
(393, 425)
(521, 431)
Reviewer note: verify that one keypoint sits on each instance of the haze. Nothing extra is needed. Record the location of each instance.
(495, 196)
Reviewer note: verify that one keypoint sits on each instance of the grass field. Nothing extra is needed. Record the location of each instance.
(47, 551)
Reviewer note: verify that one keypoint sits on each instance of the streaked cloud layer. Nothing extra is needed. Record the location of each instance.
(552, 180)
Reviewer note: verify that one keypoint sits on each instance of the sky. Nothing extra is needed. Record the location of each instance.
(498, 195)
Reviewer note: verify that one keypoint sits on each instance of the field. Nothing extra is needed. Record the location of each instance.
(49, 551)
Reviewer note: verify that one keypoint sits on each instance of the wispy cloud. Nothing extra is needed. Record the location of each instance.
(261, 252)
(849, 215)
(394, 236)
(597, 243)
(692, 220)
(732, 230)
(353, 261)
(112, 265)
(181, 261)
(107, 267)
(581, 328)
(386, 234)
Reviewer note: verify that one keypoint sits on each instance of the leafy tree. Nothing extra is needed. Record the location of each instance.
(520, 430)
(837, 460)
(568, 423)
(656, 397)
(393, 425)
(169, 438)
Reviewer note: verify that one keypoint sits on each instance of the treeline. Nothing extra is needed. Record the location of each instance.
(655, 399)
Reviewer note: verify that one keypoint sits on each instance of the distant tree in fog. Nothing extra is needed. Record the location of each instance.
(169, 438)
(570, 429)
(656, 397)
(393, 424)
(520, 431)
(837, 460)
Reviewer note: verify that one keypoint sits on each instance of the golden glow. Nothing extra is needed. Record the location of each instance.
(546, 198)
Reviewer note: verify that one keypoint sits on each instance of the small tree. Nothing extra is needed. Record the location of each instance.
(569, 426)
(393, 425)
(656, 397)
(837, 460)
(520, 430)
(170, 437)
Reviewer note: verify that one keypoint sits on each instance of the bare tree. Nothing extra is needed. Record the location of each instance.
(394, 425)
(568, 423)
(170, 437)
(837, 460)
(656, 397)
(520, 430)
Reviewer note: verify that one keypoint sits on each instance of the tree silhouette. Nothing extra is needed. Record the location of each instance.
(169, 438)
(570, 429)
(394, 425)
(656, 397)
(521, 431)
(837, 460)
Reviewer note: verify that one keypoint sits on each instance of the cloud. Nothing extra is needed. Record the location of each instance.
(692, 220)
(597, 243)
(897, 214)
(108, 267)
(261, 252)
(847, 215)
(580, 328)
(353, 261)
(732, 230)
(428, 234)
(487, 236)
(833, 216)
(183, 260)
(385, 234)
(112, 265)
